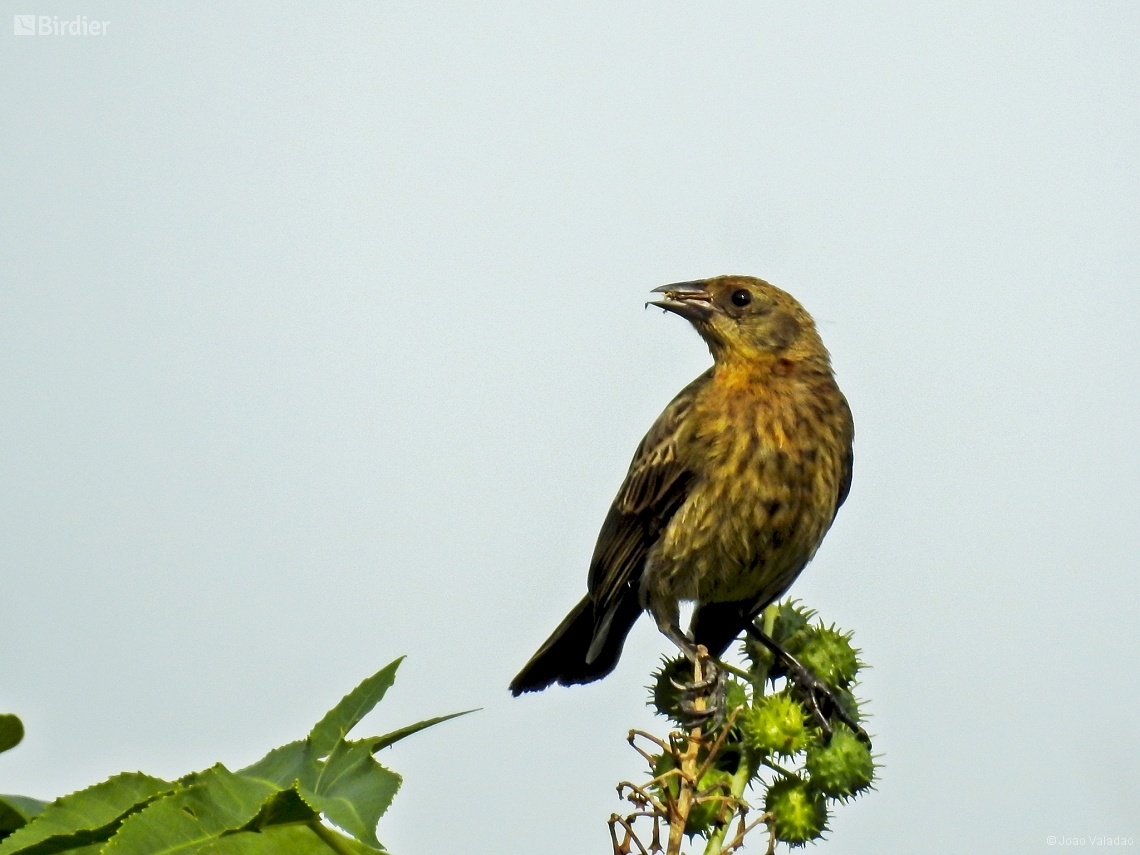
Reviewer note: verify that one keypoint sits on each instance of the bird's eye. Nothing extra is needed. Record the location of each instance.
(741, 298)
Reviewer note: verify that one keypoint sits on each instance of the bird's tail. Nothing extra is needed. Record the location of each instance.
(563, 658)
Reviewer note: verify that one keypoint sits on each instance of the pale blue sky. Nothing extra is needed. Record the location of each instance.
(322, 342)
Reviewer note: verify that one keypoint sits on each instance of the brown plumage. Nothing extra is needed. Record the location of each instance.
(728, 496)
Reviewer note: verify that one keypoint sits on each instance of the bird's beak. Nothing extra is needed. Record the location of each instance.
(690, 300)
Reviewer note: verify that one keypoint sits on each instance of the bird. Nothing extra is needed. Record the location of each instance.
(728, 496)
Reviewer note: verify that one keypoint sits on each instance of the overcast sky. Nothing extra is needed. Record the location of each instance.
(322, 341)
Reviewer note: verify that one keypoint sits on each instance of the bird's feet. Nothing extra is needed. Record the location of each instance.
(820, 700)
(703, 698)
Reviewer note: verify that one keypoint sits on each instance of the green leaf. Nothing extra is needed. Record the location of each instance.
(284, 808)
(25, 806)
(11, 731)
(213, 802)
(282, 766)
(18, 811)
(341, 844)
(294, 839)
(85, 817)
(395, 736)
(352, 708)
(91, 849)
(270, 807)
(350, 787)
(336, 778)
(352, 790)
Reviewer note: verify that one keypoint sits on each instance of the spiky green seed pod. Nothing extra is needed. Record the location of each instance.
(666, 697)
(713, 807)
(735, 695)
(714, 784)
(842, 767)
(760, 656)
(663, 783)
(791, 621)
(799, 813)
(829, 655)
(662, 763)
(849, 703)
(775, 726)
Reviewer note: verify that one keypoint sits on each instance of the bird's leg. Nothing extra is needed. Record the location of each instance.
(820, 700)
(703, 698)
(708, 683)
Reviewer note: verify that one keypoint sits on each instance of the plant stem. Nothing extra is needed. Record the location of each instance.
(759, 674)
(330, 838)
(688, 784)
(770, 614)
(736, 672)
(736, 791)
(778, 768)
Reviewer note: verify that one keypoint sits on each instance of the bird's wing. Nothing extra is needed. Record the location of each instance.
(848, 459)
(654, 488)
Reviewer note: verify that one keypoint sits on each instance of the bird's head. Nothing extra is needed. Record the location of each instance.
(741, 317)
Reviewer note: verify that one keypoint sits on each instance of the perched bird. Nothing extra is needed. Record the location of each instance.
(729, 494)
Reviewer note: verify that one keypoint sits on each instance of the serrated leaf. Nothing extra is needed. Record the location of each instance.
(339, 842)
(86, 817)
(352, 708)
(336, 778)
(296, 839)
(91, 849)
(282, 766)
(378, 742)
(11, 731)
(352, 790)
(285, 807)
(349, 787)
(26, 806)
(214, 802)
(18, 811)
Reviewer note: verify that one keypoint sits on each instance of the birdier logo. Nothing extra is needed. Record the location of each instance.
(51, 25)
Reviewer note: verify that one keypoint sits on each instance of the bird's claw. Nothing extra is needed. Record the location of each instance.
(696, 687)
(710, 689)
(819, 698)
(821, 701)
